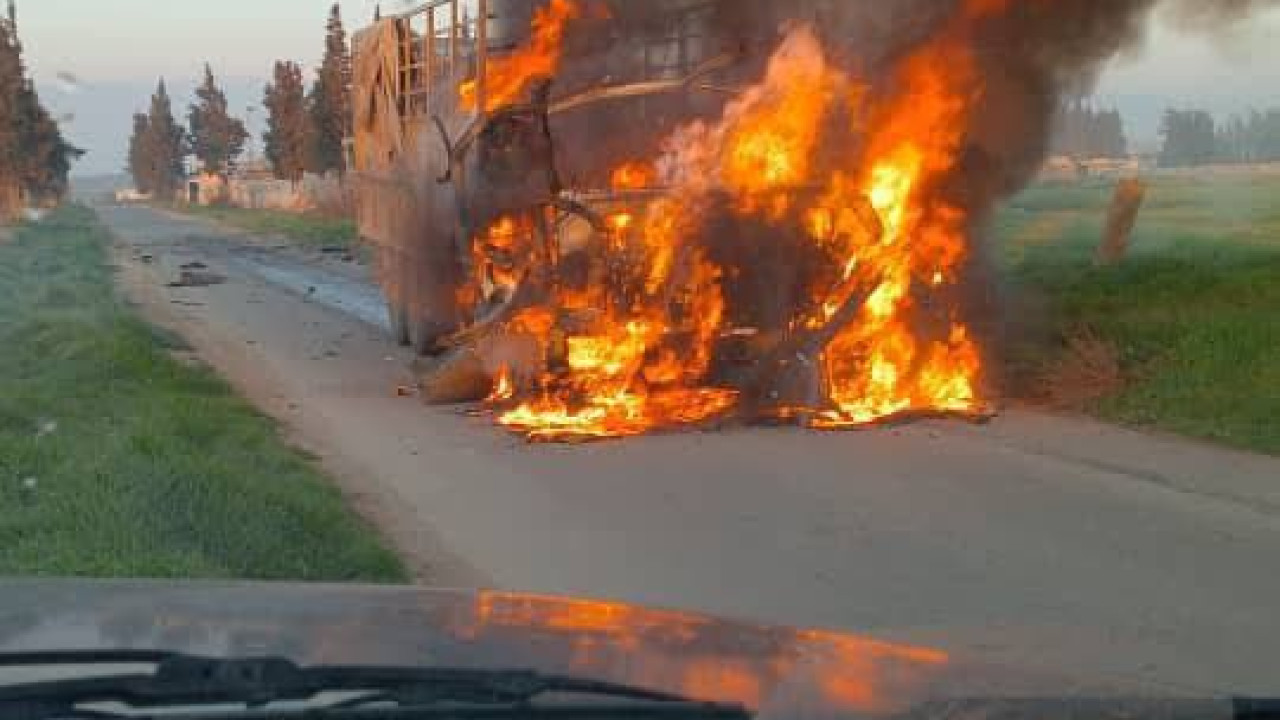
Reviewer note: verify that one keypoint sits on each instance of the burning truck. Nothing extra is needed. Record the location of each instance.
(605, 217)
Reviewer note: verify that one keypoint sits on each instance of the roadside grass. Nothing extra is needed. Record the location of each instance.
(313, 230)
(117, 460)
(1190, 320)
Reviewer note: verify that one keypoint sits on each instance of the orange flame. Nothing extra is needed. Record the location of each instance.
(504, 388)
(881, 366)
(635, 175)
(506, 76)
(896, 250)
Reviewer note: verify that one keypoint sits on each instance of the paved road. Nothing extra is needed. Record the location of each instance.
(1043, 541)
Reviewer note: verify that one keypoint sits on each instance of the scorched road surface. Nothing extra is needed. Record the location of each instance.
(1050, 542)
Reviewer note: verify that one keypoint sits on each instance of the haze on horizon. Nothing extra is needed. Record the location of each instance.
(116, 51)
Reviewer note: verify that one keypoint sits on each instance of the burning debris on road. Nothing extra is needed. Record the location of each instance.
(771, 230)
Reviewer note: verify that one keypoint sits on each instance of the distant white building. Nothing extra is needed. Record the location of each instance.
(132, 195)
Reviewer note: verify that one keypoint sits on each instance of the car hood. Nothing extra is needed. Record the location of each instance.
(774, 670)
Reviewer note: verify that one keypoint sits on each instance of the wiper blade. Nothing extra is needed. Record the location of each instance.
(84, 657)
(190, 681)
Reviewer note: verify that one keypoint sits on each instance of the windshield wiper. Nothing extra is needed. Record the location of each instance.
(185, 681)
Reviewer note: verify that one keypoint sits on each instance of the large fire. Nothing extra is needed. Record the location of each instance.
(847, 174)
(507, 76)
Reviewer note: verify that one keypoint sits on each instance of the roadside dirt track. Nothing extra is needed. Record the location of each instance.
(1056, 543)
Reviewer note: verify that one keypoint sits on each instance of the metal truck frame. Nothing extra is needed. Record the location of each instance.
(430, 174)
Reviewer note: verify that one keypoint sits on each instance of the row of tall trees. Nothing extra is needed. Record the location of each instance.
(160, 144)
(35, 158)
(1250, 138)
(1193, 137)
(1080, 131)
(1189, 138)
(305, 129)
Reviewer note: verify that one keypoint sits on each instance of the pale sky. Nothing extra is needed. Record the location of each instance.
(109, 40)
(118, 48)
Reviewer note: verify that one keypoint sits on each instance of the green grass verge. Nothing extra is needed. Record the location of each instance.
(308, 229)
(1193, 315)
(116, 460)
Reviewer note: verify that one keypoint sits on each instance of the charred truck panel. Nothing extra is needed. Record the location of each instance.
(433, 168)
(438, 158)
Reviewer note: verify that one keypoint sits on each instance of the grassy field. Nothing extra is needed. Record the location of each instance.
(1183, 336)
(118, 460)
(309, 229)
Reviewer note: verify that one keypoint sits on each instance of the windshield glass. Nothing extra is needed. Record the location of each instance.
(828, 354)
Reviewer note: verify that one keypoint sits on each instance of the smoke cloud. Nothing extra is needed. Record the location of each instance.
(1199, 14)
(1037, 51)
(1031, 53)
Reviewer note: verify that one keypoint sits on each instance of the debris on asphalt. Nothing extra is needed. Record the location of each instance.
(458, 377)
(196, 279)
